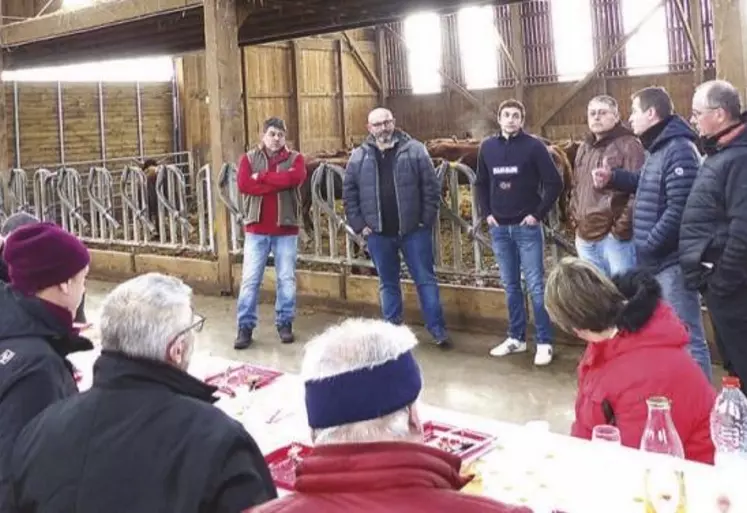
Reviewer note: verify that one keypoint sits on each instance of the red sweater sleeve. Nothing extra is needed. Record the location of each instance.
(291, 179)
(247, 184)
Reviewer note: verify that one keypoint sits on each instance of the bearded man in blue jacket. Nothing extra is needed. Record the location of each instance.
(661, 190)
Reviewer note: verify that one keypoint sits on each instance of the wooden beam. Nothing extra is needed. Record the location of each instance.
(5, 164)
(297, 70)
(98, 15)
(603, 61)
(696, 29)
(356, 53)
(516, 61)
(729, 30)
(381, 60)
(682, 15)
(222, 66)
(341, 88)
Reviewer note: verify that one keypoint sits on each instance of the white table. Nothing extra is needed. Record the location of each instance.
(526, 466)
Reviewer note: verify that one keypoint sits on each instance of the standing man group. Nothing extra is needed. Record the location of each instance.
(391, 195)
(517, 186)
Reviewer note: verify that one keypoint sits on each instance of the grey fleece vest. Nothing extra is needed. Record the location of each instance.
(288, 200)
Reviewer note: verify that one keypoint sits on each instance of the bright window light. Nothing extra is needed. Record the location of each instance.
(572, 34)
(423, 41)
(76, 4)
(143, 69)
(478, 45)
(648, 51)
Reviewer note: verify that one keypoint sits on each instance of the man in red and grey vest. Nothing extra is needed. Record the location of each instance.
(269, 177)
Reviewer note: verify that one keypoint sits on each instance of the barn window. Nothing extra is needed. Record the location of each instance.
(144, 69)
(74, 4)
(422, 34)
(478, 44)
(648, 51)
(572, 34)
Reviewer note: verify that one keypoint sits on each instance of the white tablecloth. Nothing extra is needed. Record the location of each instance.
(526, 466)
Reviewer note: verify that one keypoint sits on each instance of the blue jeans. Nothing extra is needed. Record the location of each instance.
(610, 255)
(256, 250)
(417, 248)
(521, 248)
(686, 304)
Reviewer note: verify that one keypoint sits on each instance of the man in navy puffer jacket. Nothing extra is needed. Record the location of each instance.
(661, 189)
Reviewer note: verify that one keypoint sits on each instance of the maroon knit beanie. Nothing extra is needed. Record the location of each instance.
(42, 255)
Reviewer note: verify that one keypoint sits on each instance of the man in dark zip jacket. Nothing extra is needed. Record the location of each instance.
(713, 235)
(391, 195)
(517, 185)
(661, 189)
(146, 436)
(36, 328)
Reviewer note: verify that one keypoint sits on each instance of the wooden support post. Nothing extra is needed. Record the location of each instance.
(297, 70)
(696, 28)
(381, 59)
(517, 45)
(223, 67)
(730, 35)
(603, 61)
(5, 164)
(341, 91)
(365, 68)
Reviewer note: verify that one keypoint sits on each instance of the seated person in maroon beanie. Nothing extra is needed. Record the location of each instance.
(14, 222)
(47, 268)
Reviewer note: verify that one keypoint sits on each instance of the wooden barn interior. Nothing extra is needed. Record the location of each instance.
(322, 65)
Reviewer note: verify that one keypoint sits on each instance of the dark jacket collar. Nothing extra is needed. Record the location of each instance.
(619, 130)
(116, 370)
(30, 317)
(669, 128)
(734, 135)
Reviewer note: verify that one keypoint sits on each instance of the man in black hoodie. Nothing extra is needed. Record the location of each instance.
(661, 189)
(517, 185)
(36, 327)
(713, 235)
(146, 436)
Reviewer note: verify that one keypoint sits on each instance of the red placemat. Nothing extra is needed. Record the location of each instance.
(465, 443)
(245, 375)
(282, 463)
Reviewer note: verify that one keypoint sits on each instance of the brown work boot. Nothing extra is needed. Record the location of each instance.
(286, 334)
(244, 338)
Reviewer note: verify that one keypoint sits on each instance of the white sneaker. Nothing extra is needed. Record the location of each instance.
(509, 346)
(543, 355)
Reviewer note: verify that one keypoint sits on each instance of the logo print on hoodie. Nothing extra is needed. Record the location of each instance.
(506, 170)
(6, 357)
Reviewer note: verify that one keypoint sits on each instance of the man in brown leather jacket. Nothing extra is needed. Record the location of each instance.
(603, 216)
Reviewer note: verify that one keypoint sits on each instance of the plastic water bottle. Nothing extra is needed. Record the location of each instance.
(729, 422)
(729, 435)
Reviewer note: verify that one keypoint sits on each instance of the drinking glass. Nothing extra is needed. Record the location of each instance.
(606, 433)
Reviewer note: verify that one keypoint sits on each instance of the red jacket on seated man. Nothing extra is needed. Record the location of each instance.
(362, 383)
(645, 355)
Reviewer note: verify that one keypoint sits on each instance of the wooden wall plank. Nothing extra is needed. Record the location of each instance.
(158, 121)
(39, 130)
(120, 120)
(80, 114)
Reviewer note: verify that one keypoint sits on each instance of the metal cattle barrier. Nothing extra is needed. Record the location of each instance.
(100, 188)
(68, 193)
(228, 191)
(124, 207)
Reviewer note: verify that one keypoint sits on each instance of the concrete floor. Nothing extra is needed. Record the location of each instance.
(464, 379)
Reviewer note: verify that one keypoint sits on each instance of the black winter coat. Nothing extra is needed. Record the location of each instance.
(714, 227)
(33, 370)
(145, 438)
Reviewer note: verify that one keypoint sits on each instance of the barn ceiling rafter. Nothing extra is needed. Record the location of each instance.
(130, 28)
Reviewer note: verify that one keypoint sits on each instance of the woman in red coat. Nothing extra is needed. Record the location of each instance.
(636, 349)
